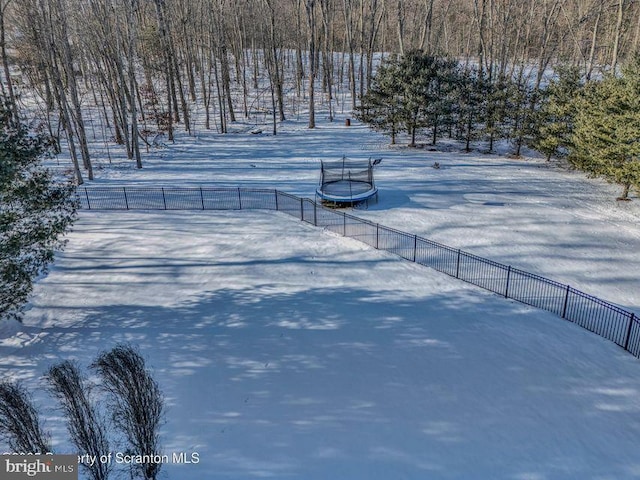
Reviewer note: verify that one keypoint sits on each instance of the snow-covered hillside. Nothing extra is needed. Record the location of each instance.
(286, 352)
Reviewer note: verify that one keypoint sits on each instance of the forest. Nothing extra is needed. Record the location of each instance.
(141, 65)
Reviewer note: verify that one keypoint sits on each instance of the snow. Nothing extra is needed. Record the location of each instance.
(285, 352)
(535, 215)
(289, 352)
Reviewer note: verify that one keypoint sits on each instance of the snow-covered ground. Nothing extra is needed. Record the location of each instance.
(529, 213)
(286, 352)
(289, 352)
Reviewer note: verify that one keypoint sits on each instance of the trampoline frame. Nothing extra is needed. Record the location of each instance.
(347, 182)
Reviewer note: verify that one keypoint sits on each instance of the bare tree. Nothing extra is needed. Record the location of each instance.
(274, 62)
(172, 102)
(401, 26)
(59, 27)
(86, 428)
(131, 8)
(427, 30)
(20, 425)
(347, 8)
(137, 405)
(617, 34)
(311, 22)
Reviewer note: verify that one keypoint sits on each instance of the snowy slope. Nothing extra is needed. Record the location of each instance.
(286, 352)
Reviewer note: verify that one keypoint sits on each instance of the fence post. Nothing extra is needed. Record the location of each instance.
(458, 265)
(164, 200)
(301, 209)
(126, 200)
(276, 194)
(415, 246)
(377, 236)
(86, 194)
(628, 337)
(506, 290)
(239, 199)
(344, 225)
(566, 302)
(201, 198)
(315, 214)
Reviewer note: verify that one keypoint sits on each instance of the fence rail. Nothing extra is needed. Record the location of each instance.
(599, 316)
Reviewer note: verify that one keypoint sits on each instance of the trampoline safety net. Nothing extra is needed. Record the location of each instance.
(347, 181)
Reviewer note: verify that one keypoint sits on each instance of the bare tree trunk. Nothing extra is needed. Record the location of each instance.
(617, 35)
(377, 16)
(67, 63)
(400, 20)
(481, 17)
(179, 88)
(40, 24)
(636, 35)
(164, 44)
(311, 19)
(66, 117)
(118, 86)
(348, 19)
(425, 38)
(216, 74)
(131, 39)
(5, 64)
(275, 63)
(327, 64)
(204, 57)
(594, 39)
(187, 36)
(226, 79)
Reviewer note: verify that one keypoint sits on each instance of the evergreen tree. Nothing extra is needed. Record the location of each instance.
(495, 110)
(554, 121)
(606, 139)
(521, 105)
(35, 211)
(413, 92)
(415, 77)
(441, 98)
(468, 107)
(381, 107)
(428, 82)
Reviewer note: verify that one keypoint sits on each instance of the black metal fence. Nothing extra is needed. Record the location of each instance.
(592, 313)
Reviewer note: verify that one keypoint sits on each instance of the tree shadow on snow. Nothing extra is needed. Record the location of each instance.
(352, 383)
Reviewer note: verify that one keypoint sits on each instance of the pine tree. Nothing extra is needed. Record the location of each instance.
(427, 82)
(521, 104)
(496, 108)
(35, 211)
(440, 96)
(554, 121)
(412, 93)
(468, 107)
(606, 140)
(381, 106)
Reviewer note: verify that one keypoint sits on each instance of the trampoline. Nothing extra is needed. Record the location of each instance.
(347, 182)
